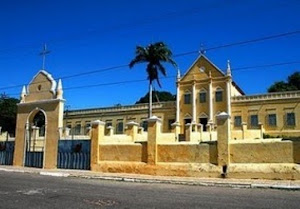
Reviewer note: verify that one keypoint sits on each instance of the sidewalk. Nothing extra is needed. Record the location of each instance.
(219, 182)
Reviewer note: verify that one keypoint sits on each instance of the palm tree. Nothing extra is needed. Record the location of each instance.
(154, 54)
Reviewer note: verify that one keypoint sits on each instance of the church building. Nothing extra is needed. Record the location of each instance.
(203, 92)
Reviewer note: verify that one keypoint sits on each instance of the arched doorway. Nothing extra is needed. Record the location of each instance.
(35, 139)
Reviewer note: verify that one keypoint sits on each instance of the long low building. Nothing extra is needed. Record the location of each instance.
(203, 92)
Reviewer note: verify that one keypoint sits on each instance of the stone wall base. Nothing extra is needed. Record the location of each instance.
(238, 171)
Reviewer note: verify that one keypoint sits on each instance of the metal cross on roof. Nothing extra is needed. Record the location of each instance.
(43, 53)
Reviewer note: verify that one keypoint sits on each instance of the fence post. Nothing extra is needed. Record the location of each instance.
(224, 135)
(176, 130)
(98, 128)
(132, 130)
(154, 131)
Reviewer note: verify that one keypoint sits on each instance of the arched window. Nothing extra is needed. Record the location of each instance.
(39, 121)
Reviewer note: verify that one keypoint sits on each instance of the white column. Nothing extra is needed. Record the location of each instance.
(228, 94)
(210, 95)
(177, 102)
(194, 102)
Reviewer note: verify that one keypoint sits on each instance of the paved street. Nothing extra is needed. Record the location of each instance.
(23, 190)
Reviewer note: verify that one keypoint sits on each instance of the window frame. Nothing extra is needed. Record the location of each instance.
(219, 90)
(235, 121)
(294, 119)
(275, 119)
(257, 120)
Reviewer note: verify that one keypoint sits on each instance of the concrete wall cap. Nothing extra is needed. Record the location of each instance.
(133, 123)
(98, 122)
(175, 124)
(154, 118)
(223, 115)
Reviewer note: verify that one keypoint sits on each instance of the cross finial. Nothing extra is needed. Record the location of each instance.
(43, 53)
(202, 49)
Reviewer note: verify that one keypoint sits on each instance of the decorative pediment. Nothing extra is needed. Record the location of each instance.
(41, 87)
(187, 116)
(203, 115)
(202, 68)
(41, 78)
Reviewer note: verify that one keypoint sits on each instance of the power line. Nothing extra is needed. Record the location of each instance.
(264, 66)
(102, 84)
(177, 55)
(242, 42)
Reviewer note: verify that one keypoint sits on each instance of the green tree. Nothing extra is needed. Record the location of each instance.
(292, 84)
(153, 55)
(158, 96)
(8, 113)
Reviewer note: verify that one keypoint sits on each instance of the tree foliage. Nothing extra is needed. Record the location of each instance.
(158, 96)
(154, 55)
(8, 113)
(292, 84)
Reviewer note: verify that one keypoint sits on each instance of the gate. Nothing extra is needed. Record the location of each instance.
(74, 154)
(7, 152)
(34, 156)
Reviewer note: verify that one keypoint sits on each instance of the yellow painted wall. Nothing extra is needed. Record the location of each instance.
(187, 153)
(275, 152)
(123, 152)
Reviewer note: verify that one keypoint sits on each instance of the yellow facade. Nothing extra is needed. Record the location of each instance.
(203, 92)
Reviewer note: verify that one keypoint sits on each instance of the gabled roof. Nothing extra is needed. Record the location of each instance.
(202, 56)
(194, 63)
(48, 76)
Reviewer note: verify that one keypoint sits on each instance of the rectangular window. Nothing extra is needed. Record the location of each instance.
(219, 96)
(77, 130)
(272, 120)
(254, 120)
(237, 121)
(119, 128)
(202, 97)
(290, 119)
(187, 99)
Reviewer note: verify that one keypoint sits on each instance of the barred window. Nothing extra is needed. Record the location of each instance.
(254, 120)
(219, 96)
(272, 120)
(290, 119)
(237, 121)
(202, 97)
(187, 98)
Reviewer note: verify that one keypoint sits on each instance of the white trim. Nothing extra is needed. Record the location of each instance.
(203, 115)
(187, 116)
(219, 88)
(50, 78)
(187, 91)
(203, 90)
(42, 101)
(201, 55)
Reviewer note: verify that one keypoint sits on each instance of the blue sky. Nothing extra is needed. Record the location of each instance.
(91, 35)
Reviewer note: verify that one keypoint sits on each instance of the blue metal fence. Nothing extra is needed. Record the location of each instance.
(74, 154)
(34, 159)
(7, 152)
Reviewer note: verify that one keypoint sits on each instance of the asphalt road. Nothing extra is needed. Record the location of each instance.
(19, 190)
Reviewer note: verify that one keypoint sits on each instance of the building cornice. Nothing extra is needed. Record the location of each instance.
(41, 101)
(266, 97)
(125, 108)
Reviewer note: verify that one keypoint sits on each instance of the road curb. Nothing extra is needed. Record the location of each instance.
(158, 181)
